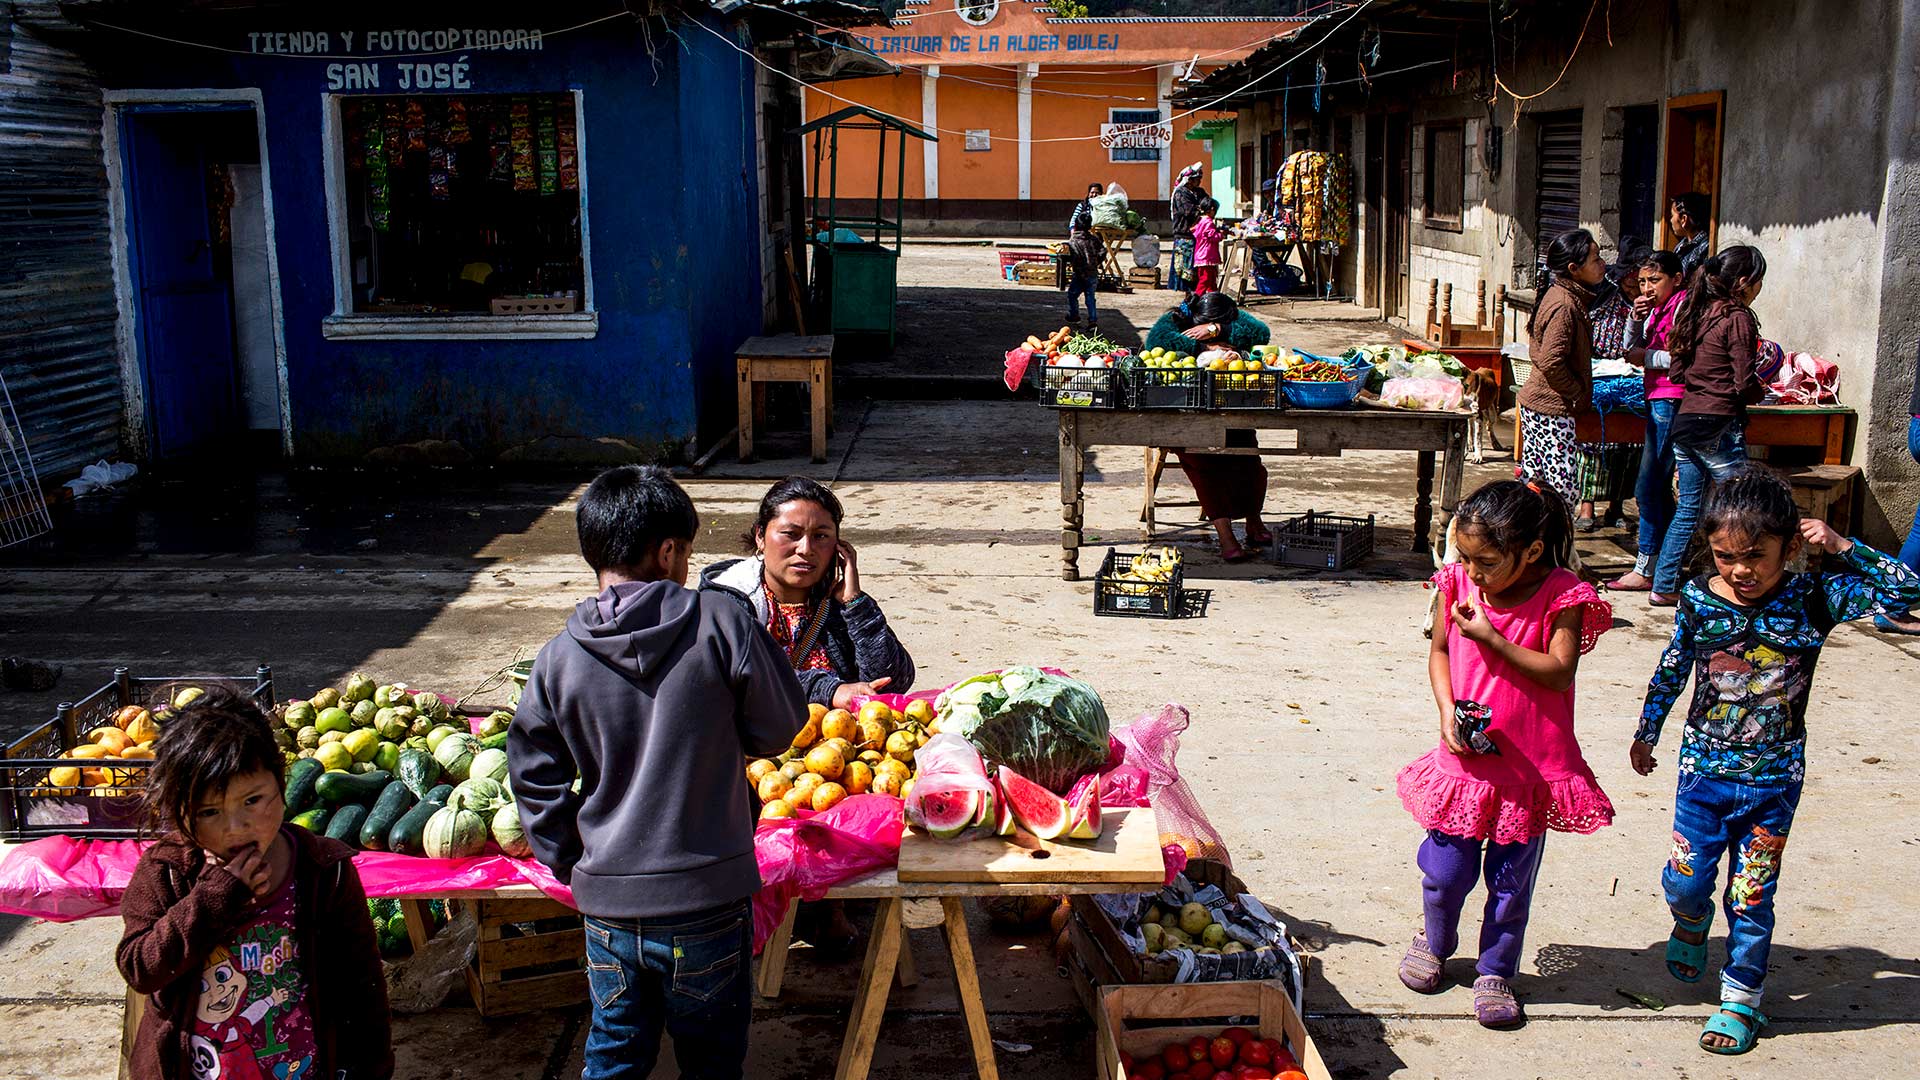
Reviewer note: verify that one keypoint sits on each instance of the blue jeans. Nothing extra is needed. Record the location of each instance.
(1694, 467)
(1654, 491)
(690, 974)
(1077, 286)
(1712, 817)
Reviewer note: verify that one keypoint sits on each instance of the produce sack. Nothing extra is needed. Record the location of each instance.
(801, 857)
(1145, 774)
(1434, 395)
(948, 771)
(1109, 211)
(1049, 728)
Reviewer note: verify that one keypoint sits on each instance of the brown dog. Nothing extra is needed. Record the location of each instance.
(1482, 394)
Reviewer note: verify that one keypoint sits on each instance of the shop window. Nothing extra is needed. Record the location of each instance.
(1445, 186)
(1133, 116)
(460, 208)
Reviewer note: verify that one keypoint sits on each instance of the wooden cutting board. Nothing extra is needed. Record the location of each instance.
(1127, 853)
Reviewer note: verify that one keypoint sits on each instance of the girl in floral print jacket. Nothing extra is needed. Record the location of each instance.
(1751, 636)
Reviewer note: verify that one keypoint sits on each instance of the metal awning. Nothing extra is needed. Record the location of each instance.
(1209, 129)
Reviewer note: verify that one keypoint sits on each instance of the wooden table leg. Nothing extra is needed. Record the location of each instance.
(1072, 506)
(819, 402)
(773, 957)
(904, 973)
(1836, 438)
(419, 922)
(967, 979)
(1423, 502)
(745, 373)
(870, 1004)
(1453, 476)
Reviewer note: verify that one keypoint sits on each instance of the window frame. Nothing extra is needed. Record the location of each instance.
(1431, 218)
(1159, 154)
(346, 324)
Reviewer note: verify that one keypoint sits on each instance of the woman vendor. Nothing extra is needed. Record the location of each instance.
(1229, 486)
(803, 584)
(1185, 210)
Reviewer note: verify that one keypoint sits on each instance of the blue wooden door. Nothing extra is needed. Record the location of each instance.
(185, 317)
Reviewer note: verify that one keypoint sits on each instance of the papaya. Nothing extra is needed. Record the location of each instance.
(393, 802)
(342, 787)
(408, 835)
(301, 778)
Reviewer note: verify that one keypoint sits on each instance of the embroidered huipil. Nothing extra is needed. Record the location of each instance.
(1752, 667)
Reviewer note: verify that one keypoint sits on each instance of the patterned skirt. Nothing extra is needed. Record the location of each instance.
(1549, 454)
(1183, 259)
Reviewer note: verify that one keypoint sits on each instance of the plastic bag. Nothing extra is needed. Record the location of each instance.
(100, 476)
(947, 764)
(1806, 379)
(1109, 211)
(421, 982)
(1146, 250)
(801, 857)
(1147, 775)
(1443, 394)
(1115, 189)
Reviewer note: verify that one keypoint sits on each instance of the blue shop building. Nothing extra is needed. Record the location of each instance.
(536, 232)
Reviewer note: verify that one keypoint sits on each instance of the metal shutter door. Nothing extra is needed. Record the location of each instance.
(1558, 182)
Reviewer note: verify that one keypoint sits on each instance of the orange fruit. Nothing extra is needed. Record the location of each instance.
(870, 734)
(798, 798)
(66, 776)
(808, 781)
(858, 778)
(792, 769)
(816, 712)
(774, 785)
(778, 808)
(877, 711)
(807, 735)
(837, 724)
(759, 769)
(112, 738)
(827, 762)
(87, 750)
(920, 712)
(906, 789)
(886, 783)
(827, 796)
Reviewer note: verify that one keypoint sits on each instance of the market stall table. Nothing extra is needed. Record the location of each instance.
(1820, 427)
(1236, 270)
(1126, 858)
(1116, 242)
(1319, 433)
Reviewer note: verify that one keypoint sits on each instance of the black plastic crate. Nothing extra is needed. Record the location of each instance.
(31, 806)
(1243, 390)
(1080, 388)
(1137, 599)
(1323, 541)
(1166, 388)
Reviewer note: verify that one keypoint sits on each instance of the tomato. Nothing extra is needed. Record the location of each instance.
(1240, 1036)
(1222, 1076)
(1221, 1052)
(1292, 1074)
(1259, 1074)
(1126, 1062)
(1152, 1070)
(1256, 1054)
(1285, 1060)
(1176, 1058)
(1197, 1049)
(1275, 1048)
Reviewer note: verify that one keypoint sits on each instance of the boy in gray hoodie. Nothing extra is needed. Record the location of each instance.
(654, 697)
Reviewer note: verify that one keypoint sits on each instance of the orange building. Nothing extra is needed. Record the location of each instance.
(1031, 108)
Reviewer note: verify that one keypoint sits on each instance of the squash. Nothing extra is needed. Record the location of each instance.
(455, 834)
(392, 804)
(489, 765)
(508, 833)
(112, 738)
(341, 787)
(420, 771)
(345, 823)
(407, 835)
(455, 754)
(301, 778)
(480, 795)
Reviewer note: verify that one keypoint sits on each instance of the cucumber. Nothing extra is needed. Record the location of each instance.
(314, 820)
(340, 787)
(494, 742)
(396, 800)
(408, 835)
(301, 776)
(345, 823)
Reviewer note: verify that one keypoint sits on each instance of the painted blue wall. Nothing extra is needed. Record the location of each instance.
(671, 188)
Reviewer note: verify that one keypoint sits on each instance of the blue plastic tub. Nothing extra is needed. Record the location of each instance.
(1321, 395)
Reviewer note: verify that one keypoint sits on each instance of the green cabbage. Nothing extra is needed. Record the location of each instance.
(1050, 729)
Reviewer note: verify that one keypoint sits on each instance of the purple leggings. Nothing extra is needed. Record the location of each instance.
(1452, 865)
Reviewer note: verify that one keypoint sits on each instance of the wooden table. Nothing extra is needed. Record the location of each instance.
(1320, 433)
(889, 958)
(1821, 427)
(1236, 258)
(1117, 242)
(785, 358)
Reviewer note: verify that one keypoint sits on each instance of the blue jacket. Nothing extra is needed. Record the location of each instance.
(856, 637)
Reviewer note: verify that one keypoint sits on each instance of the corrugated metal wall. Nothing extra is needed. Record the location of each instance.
(57, 310)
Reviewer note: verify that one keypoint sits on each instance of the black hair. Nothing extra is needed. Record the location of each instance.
(1717, 279)
(1664, 261)
(1512, 514)
(1209, 206)
(1213, 307)
(792, 489)
(1755, 501)
(1095, 188)
(1696, 206)
(1569, 249)
(628, 512)
(218, 738)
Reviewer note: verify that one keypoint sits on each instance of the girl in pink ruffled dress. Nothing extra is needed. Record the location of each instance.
(1515, 622)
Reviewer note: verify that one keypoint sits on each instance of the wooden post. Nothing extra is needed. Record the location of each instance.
(1500, 314)
(1480, 304)
(1433, 301)
(1446, 314)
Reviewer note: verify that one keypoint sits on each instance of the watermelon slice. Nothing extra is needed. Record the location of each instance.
(1038, 810)
(947, 814)
(989, 810)
(1083, 804)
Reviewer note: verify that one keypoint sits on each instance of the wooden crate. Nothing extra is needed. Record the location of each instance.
(1038, 273)
(1143, 1020)
(531, 955)
(1148, 276)
(1109, 956)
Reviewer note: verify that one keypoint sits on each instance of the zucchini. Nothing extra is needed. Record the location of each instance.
(396, 800)
(301, 776)
(340, 787)
(494, 742)
(314, 820)
(420, 771)
(345, 823)
(408, 835)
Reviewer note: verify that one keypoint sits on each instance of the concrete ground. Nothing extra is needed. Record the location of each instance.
(1307, 692)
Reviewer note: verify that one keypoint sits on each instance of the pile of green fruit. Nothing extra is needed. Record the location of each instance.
(1190, 927)
(390, 925)
(385, 769)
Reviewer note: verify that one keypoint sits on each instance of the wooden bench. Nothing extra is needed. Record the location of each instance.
(1825, 492)
(785, 358)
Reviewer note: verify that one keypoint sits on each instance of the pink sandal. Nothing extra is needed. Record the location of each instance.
(1420, 969)
(1494, 1004)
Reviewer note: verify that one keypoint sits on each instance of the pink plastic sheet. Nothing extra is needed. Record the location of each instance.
(801, 857)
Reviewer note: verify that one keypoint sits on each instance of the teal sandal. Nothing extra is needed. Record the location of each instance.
(1680, 953)
(1743, 1034)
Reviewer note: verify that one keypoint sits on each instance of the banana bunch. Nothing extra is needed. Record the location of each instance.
(1154, 566)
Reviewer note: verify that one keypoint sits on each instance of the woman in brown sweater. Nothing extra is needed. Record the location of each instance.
(1561, 345)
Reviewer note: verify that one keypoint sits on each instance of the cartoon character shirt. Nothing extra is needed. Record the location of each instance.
(251, 1020)
(1752, 667)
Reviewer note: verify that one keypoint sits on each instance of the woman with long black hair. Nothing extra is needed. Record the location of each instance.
(1561, 346)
